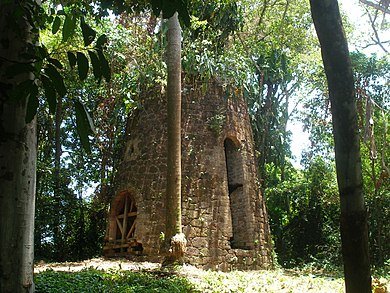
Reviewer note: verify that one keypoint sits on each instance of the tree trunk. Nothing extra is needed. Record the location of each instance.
(174, 238)
(337, 64)
(17, 163)
(265, 113)
(57, 235)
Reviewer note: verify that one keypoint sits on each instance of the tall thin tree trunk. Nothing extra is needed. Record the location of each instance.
(173, 234)
(266, 113)
(17, 163)
(58, 243)
(338, 69)
(284, 122)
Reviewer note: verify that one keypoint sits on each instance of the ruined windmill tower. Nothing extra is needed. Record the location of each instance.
(223, 213)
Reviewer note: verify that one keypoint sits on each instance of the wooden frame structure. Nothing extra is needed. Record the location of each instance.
(122, 225)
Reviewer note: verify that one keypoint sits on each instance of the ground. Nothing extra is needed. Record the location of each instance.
(277, 280)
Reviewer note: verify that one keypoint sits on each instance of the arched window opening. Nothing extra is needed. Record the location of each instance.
(235, 179)
(123, 221)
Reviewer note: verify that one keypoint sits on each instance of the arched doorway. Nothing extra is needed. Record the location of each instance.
(123, 221)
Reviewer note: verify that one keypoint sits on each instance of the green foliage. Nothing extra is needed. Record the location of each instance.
(209, 37)
(69, 27)
(32, 104)
(89, 33)
(47, 72)
(82, 65)
(72, 59)
(169, 7)
(105, 67)
(372, 89)
(215, 21)
(372, 86)
(50, 94)
(58, 82)
(91, 280)
(265, 49)
(84, 124)
(82, 219)
(216, 122)
(96, 66)
(81, 230)
(303, 213)
(166, 7)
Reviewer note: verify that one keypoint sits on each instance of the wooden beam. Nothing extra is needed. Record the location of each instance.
(125, 220)
(116, 246)
(131, 230)
(119, 225)
(130, 214)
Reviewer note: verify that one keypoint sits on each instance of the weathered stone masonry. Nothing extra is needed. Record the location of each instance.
(223, 213)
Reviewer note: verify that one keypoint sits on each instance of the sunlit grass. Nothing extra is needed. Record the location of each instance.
(150, 278)
(92, 280)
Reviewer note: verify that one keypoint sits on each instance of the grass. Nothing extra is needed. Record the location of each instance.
(267, 281)
(92, 280)
(124, 276)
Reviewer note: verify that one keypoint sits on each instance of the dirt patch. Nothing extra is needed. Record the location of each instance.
(99, 264)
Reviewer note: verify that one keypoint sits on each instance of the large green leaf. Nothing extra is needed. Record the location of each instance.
(82, 65)
(41, 52)
(50, 93)
(84, 125)
(56, 78)
(69, 27)
(56, 25)
(169, 7)
(89, 33)
(72, 59)
(184, 15)
(32, 104)
(101, 41)
(55, 62)
(96, 66)
(106, 71)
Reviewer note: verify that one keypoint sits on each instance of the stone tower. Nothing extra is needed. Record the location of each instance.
(223, 213)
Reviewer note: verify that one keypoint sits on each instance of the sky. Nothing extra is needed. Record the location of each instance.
(354, 12)
(352, 8)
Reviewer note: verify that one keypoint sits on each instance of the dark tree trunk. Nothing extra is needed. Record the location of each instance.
(337, 64)
(173, 235)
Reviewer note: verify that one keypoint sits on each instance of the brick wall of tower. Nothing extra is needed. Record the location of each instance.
(223, 231)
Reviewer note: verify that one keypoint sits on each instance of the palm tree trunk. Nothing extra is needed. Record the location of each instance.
(174, 238)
